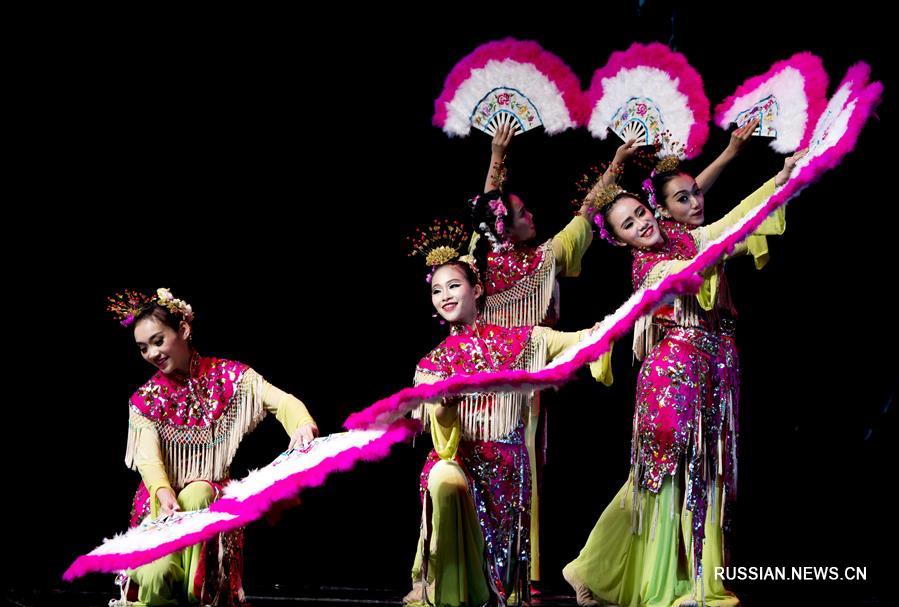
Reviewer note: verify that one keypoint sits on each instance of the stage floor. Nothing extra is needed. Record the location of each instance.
(362, 596)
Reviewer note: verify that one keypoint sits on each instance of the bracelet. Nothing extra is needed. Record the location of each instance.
(498, 174)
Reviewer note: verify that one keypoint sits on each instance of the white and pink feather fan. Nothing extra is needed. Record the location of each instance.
(243, 501)
(787, 100)
(512, 82)
(652, 93)
(837, 126)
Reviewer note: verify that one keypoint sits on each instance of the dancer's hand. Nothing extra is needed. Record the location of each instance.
(625, 151)
(303, 436)
(740, 136)
(501, 139)
(611, 174)
(168, 502)
(790, 162)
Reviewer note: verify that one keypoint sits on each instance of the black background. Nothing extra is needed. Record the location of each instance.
(267, 167)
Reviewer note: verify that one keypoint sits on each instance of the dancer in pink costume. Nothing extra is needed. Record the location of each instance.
(475, 539)
(683, 456)
(521, 280)
(184, 427)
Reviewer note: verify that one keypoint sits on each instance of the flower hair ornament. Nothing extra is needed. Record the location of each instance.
(496, 233)
(439, 243)
(126, 306)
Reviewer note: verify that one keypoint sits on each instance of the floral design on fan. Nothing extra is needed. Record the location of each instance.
(504, 101)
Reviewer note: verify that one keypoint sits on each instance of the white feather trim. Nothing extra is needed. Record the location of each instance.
(525, 77)
(787, 87)
(648, 82)
(834, 122)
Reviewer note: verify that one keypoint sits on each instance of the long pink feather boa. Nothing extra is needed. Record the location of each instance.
(249, 510)
(688, 280)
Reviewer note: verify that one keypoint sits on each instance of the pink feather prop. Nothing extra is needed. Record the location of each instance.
(525, 52)
(814, 89)
(676, 67)
(232, 514)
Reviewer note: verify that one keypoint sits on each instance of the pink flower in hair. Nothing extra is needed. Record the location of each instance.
(600, 222)
(650, 192)
(498, 208)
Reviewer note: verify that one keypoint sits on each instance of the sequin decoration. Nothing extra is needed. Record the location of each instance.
(505, 270)
(219, 577)
(686, 411)
(198, 400)
(499, 480)
(470, 350)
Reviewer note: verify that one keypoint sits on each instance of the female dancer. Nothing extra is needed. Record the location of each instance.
(475, 484)
(520, 278)
(684, 444)
(184, 427)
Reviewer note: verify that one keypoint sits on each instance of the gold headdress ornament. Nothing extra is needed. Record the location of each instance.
(668, 150)
(669, 153)
(604, 195)
(439, 243)
(666, 164)
(127, 305)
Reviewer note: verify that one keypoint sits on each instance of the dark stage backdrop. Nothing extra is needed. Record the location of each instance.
(267, 169)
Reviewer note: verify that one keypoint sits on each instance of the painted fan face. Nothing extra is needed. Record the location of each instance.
(505, 106)
(787, 100)
(765, 111)
(639, 118)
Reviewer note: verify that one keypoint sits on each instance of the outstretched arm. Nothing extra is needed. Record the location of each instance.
(496, 174)
(714, 230)
(738, 139)
(292, 413)
(557, 341)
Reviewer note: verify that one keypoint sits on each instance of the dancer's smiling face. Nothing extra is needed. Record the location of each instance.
(162, 346)
(454, 296)
(521, 220)
(683, 200)
(633, 224)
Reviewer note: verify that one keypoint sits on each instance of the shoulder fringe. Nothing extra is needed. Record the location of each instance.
(192, 453)
(491, 416)
(526, 303)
